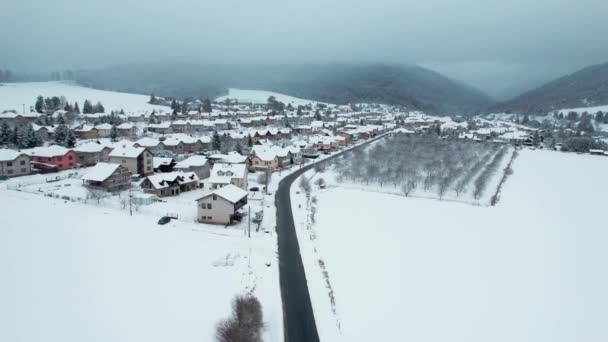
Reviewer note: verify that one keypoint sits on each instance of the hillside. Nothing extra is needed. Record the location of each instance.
(585, 88)
(15, 95)
(406, 85)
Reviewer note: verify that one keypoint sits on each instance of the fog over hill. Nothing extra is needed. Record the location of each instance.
(407, 85)
(585, 88)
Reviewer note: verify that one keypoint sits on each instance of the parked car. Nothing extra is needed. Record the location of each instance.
(255, 188)
(164, 220)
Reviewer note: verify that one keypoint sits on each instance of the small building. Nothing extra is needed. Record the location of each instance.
(223, 174)
(137, 159)
(170, 184)
(52, 158)
(14, 163)
(109, 177)
(197, 164)
(92, 153)
(221, 206)
(163, 164)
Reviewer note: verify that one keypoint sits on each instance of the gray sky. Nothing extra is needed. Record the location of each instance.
(493, 44)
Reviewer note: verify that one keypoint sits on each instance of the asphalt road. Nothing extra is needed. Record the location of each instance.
(298, 317)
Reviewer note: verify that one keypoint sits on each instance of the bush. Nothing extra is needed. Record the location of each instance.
(246, 323)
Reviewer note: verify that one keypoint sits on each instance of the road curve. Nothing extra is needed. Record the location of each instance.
(298, 317)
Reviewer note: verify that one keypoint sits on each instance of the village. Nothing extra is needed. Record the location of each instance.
(206, 162)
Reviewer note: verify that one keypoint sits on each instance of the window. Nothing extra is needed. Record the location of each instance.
(214, 198)
(23, 170)
(9, 163)
(60, 165)
(209, 217)
(10, 172)
(59, 158)
(208, 205)
(22, 162)
(69, 157)
(203, 217)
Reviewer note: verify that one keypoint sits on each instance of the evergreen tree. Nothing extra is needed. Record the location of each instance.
(70, 139)
(39, 106)
(31, 138)
(216, 141)
(152, 99)
(98, 108)
(249, 141)
(5, 133)
(39, 121)
(21, 137)
(317, 115)
(14, 137)
(61, 132)
(207, 106)
(87, 108)
(76, 108)
(174, 105)
(122, 112)
(114, 132)
(68, 107)
(238, 148)
(60, 120)
(56, 102)
(525, 120)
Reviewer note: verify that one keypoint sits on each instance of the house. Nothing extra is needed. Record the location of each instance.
(85, 131)
(197, 164)
(163, 164)
(92, 153)
(221, 206)
(170, 184)
(162, 128)
(104, 130)
(52, 158)
(265, 161)
(126, 129)
(149, 143)
(137, 159)
(109, 177)
(296, 154)
(14, 163)
(230, 158)
(224, 174)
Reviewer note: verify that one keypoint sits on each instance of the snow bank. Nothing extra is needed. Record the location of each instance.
(260, 96)
(529, 269)
(72, 272)
(14, 95)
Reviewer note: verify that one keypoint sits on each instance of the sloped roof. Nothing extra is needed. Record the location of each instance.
(9, 155)
(230, 192)
(100, 172)
(160, 180)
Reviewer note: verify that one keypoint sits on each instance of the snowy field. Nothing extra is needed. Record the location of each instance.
(14, 95)
(78, 272)
(259, 96)
(530, 269)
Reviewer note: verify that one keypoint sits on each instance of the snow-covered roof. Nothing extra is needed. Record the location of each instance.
(192, 161)
(147, 142)
(161, 180)
(90, 147)
(50, 151)
(159, 161)
(231, 170)
(9, 155)
(128, 152)
(230, 158)
(230, 192)
(100, 172)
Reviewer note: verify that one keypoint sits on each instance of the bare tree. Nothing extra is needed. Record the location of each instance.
(97, 194)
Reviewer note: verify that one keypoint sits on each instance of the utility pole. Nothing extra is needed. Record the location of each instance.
(249, 228)
(130, 202)
(23, 108)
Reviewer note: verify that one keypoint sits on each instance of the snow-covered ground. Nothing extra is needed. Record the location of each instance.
(531, 268)
(80, 272)
(590, 110)
(260, 96)
(15, 95)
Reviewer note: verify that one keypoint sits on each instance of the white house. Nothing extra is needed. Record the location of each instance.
(221, 206)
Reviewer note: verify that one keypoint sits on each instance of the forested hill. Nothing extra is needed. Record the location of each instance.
(407, 85)
(585, 88)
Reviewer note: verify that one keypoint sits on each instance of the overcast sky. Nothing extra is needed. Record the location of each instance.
(492, 44)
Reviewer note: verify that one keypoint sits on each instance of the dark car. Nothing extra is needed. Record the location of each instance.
(255, 188)
(164, 220)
